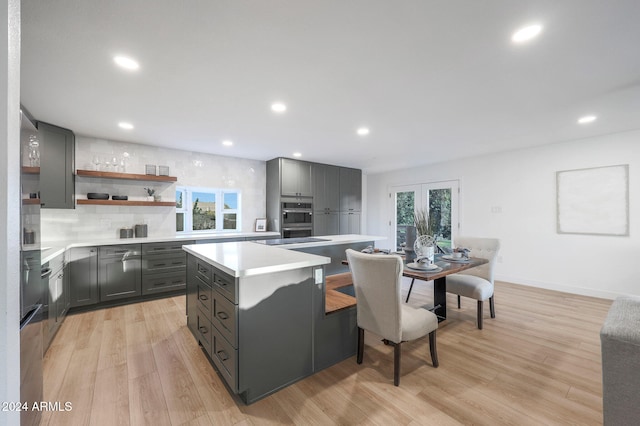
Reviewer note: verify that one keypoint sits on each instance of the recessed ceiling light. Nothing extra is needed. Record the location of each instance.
(526, 33)
(278, 107)
(126, 126)
(587, 119)
(363, 131)
(297, 154)
(126, 63)
(227, 143)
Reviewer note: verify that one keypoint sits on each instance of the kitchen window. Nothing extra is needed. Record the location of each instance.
(207, 209)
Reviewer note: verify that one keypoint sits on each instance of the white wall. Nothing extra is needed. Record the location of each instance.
(10, 210)
(191, 169)
(523, 184)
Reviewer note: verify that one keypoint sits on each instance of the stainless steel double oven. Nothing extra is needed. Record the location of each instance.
(297, 219)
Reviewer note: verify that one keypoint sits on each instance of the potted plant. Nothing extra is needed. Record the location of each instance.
(151, 193)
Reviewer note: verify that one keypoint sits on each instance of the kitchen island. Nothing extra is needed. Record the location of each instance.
(258, 312)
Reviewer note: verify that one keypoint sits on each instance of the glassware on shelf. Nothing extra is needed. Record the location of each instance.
(34, 151)
(115, 164)
(96, 163)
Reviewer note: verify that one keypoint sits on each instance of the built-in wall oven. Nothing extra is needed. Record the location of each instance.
(297, 219)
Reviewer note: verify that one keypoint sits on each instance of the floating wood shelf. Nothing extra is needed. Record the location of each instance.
(125, 176)
(127, 203)
(31, 201)
(30, 170)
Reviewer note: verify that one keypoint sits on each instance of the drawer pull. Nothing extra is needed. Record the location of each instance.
(203, 329)
(179, 262)
(220, 282)
(176, 282)
(222, 355)
(203, 297)
(203, 270)
(223, 315)
(160, 264)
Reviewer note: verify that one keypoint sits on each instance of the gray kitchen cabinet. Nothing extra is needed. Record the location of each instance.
(326, 223)
(350, 190)
(326, 187)
(57, 163)
(56, 298)
(295, 178)
(119, 274)
(164, 267)
(83, 276)
(349, 223)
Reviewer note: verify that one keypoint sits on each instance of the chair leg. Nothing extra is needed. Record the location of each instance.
(492, 307)
(480, 314)
(396, 364)
(360, 345)
(432, 348)
(410, 288)
(458, 301)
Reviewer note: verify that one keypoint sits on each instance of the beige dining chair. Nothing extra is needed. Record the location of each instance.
(476, 283)
(379, 309)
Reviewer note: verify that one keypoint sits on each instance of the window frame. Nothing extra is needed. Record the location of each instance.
(220, 211)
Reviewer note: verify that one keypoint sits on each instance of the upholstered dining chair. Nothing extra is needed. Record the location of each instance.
(379, 309)
(476, 283)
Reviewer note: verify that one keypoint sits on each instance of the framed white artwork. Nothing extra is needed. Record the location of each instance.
(593, 201)
(261, 225)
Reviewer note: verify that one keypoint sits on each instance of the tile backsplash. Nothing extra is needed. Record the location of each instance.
(191, 169)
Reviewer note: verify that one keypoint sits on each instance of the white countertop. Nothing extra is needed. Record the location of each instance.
(51, 249)
(246, 258)
(332, 240)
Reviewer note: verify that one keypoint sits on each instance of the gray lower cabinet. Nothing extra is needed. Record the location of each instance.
(119, 274)
(258, 342)
(83, 276)
(57, 165)
(164, 267)
(57, 298)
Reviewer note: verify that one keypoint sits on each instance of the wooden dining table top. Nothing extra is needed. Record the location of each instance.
(337, 301)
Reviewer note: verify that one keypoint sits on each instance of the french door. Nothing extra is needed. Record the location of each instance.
(441, 201)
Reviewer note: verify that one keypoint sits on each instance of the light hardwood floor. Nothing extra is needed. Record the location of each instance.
(537, 363)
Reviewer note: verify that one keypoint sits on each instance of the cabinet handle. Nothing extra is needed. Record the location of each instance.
(222, 355)
(203, 297)
(222, 283)
(179, 262)
(201, 269)
(160, 264)
(223, 315)
(176, 282)
(203, 329)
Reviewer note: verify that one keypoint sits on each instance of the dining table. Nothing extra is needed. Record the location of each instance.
(446, 265)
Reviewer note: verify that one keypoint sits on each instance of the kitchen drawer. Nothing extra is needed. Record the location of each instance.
(225, 358)
(205, 297)
(159, 283)
(57, 263)
(225, 318)
(168, 247)
(205, 333)
(204, 271)
(164, 262)
(225, 284)
(119, 251)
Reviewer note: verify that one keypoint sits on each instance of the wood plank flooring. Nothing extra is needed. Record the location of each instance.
(536, 363)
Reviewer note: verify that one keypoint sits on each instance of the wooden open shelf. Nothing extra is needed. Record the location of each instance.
(30, 170)
(26, 201)
(127, 203)
(125, 176)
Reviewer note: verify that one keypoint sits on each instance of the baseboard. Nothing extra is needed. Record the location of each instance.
(561, 287)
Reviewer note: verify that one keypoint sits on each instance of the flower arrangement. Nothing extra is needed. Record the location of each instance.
(422, 223)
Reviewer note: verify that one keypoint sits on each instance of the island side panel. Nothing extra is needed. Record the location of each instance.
(275, 329)
(335, 334)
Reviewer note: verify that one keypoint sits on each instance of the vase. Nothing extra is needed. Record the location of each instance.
(156, 198)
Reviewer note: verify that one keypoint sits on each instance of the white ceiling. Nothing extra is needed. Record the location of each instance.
(433, 80)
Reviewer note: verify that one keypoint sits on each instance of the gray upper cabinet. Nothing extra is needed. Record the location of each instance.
(350, 190)
(326, 187)
(57, 163)
(295, 177)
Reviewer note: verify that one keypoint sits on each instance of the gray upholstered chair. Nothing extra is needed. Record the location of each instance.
(377, 279)
(476, 283)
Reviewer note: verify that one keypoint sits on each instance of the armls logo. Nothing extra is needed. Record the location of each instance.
(52, 406)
